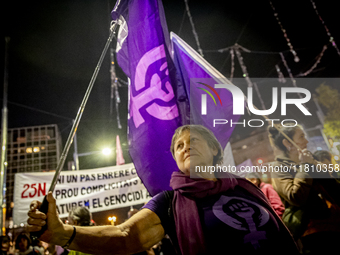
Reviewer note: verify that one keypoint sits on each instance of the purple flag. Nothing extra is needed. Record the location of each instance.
(142, 53)
(199, 78)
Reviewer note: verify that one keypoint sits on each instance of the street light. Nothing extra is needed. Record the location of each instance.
(260, 161)
(112, 220)
(105, 151)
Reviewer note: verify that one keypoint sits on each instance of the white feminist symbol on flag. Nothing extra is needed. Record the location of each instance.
(154, 91)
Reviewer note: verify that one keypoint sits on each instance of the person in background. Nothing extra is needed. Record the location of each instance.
(325, 157)
(79, 216)
(202, 215)
(5, 244)
(269, 191)
(330, 182)
(308, 215)
(23, 245)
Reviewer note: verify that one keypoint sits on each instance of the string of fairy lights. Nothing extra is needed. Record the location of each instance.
(315, 64)
(331, 38)
(291, 48)
(236, 49)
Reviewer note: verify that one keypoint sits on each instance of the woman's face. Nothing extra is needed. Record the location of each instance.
(191, 150)
(300, 138)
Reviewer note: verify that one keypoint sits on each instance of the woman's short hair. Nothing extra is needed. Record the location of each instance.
(23, 236)
(206, 134)
(82, 215)
(276, 138)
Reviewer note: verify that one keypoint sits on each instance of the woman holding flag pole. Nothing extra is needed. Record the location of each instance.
(308, 191)
(202, 215)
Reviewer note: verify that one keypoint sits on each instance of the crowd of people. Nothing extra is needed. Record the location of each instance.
(311, 198)
(297, 213)
(23, 245)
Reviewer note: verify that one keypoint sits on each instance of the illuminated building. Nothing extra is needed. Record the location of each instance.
(31, 149)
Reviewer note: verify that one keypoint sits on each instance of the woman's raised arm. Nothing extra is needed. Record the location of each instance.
(138, 233)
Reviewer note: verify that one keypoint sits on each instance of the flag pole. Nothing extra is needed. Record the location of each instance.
(4, 126)
(44, 206)
(81, 110)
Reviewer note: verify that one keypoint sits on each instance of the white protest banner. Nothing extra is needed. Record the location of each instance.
(98, 189)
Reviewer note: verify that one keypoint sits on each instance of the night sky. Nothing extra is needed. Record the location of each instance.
(55, 45)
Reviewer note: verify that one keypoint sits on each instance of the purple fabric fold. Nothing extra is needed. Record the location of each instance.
(188, 224)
